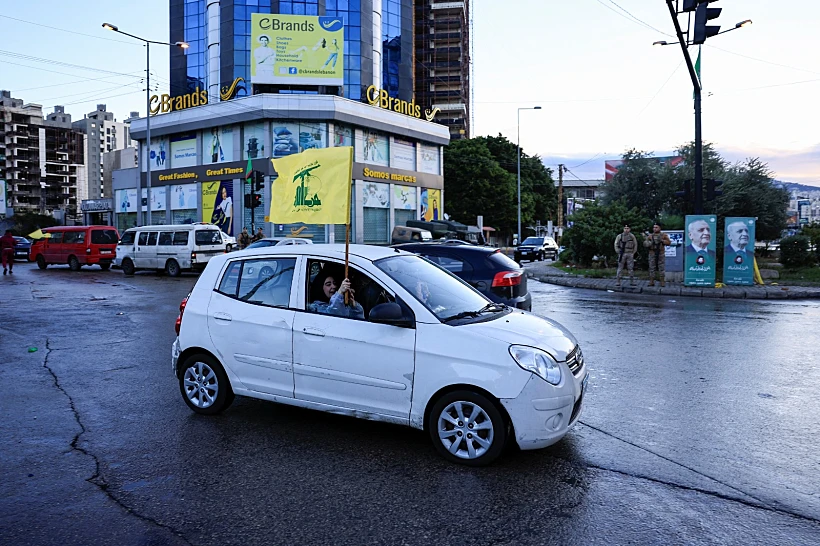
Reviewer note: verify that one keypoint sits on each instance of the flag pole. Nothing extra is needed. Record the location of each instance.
(347, 222)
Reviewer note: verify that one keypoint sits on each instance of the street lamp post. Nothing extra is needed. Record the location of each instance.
(148, 43)
(518, 154)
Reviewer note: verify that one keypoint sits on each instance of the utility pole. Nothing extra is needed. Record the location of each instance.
(560, 196)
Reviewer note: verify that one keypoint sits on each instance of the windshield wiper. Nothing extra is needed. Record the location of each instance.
(463, 314)
(492, 307)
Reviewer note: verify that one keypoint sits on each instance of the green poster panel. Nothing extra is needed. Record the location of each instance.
(699, 250)
(739, 251)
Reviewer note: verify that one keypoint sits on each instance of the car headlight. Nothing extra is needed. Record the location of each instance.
(538, 362)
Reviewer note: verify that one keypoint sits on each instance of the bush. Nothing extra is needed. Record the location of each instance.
(794, 252)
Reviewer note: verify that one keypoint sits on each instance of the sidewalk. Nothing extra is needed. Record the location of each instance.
(543, 272)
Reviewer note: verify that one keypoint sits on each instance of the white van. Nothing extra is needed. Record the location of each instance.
(173, 248)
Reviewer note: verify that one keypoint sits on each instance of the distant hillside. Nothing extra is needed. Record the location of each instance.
(795, 187)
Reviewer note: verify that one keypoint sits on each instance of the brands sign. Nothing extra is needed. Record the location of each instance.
(382, 99)
(97, 205)
(235, 169)
(371, 173)
(162, 104)
(297, 49)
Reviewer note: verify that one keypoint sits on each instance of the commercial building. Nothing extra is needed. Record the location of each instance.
(199, 157)
(103, 134)
(41, 160)
(442, 62)
(378, 45)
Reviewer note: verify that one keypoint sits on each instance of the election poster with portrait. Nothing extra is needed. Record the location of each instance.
(699, 250)
(739, 251)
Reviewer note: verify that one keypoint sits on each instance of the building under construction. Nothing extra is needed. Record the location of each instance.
(442, 62)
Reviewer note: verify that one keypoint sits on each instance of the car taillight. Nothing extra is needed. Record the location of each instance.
(507, 278)
(88, 251)
(193, 255)
(182, 305)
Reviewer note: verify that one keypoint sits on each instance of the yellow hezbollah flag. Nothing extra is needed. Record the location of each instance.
(313, 187)
(39, 234)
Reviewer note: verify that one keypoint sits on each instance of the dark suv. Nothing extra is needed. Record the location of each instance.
(487, 269)
(536, 248)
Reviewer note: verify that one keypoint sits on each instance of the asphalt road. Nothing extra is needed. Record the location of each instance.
(700, 427)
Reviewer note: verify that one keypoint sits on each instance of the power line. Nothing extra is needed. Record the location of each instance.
(761, 60)
(631, 17)
(42, 60)
(661, 88)
(644, 23)
(103, 79)
(68, 31)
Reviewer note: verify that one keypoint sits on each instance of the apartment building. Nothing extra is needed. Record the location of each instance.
(442, 62)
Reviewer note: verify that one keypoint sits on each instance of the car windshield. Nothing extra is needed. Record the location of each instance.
(441, 292)
(537, 241)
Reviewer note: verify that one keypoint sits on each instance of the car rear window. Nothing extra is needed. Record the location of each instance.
(500, 260)
(104, 237)
(208, 237)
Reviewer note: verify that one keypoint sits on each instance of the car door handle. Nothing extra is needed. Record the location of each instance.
(314, 332)
(223, 316)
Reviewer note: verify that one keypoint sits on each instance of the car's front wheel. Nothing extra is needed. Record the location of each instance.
(128, 266)
(41, 262)
(204, 385)
(467, 428)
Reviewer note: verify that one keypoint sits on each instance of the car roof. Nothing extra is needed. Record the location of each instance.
(412, 247)
(75, 228)
(368, 252)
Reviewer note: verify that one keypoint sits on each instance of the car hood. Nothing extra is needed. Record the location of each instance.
(522, 328)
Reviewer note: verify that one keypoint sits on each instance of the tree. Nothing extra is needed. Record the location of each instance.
(28, 222)
(748, 191)
(468, 166)
(640, 184)
(476, 185)
(595, 228)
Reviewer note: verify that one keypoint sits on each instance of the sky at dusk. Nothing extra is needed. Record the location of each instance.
(589, 64)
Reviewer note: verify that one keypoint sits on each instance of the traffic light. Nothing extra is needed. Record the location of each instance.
(711, 192)
(687, 191)
(258, 180)
(703, 14)
(253, 200)
(690, 5)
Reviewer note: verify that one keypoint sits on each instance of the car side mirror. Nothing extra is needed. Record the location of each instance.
(390, 313)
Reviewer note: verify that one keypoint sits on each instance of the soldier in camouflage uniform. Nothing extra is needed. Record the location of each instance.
(626, 245)
(656, 242)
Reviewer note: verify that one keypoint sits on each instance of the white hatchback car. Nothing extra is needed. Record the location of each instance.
(415, 346)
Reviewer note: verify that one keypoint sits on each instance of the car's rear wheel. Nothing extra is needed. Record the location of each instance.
(172, 268)
(204, 385)
(105, 267)
(467, 428)
(74, 263)
(41, 262)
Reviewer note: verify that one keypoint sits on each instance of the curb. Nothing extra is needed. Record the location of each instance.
(642, 287)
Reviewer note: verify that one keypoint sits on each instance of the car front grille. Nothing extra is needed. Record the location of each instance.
(575, 360)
